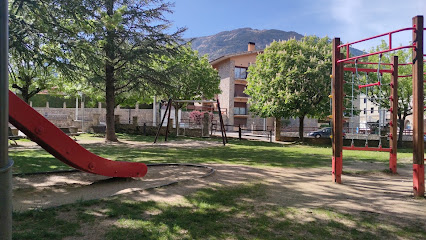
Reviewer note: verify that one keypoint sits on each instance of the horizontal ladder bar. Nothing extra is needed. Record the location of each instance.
(373, 149)
(368, 70)
(377, 36)
(369, 85)
(375, 53)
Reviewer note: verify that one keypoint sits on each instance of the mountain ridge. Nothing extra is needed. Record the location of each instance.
(235, 41)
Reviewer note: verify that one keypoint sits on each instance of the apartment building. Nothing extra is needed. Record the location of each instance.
(233, 72)
(370, 115)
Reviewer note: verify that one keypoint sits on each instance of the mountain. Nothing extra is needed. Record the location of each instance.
(235, 41)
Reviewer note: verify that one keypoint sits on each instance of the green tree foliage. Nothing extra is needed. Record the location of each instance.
(190, 76)
(119, 42)
(109, 43)
(380, 95)
(37, 50)
(292, 79)
(29, 78)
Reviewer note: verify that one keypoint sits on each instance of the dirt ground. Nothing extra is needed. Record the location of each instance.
(380, 193)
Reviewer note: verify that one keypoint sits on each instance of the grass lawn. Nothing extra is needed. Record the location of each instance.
(213, 213)
(218, 212)
(251, 153)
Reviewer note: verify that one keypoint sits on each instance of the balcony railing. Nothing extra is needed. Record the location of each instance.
(241, 94)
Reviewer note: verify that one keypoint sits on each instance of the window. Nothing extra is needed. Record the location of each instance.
(240, 111)
(240, 72)
(365, 110)
(372, 110)
(365, 100)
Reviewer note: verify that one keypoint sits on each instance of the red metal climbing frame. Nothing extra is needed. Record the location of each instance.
(57, 143)
(418, 105)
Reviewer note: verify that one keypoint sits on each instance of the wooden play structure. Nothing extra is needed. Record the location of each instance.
(339, 61)
(168, 110)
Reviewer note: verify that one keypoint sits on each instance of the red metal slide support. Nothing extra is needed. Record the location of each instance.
(57, 143)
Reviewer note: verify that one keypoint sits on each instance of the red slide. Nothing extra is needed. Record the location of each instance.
(57, 143)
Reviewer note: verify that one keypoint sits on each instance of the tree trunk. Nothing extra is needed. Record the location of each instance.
(109, 79)
(301, 123)
(277, 129)
(26, 97)
(401, 130)
(110, 105)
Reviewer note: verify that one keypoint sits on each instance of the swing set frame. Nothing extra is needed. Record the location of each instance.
(338, 61)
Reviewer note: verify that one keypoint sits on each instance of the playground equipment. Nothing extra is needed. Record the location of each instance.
(57, 143)
(168, 110)
(418, 105)
(382, 114)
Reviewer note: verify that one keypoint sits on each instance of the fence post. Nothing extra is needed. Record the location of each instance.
(270, 135)
(135, 121)
(239, 132)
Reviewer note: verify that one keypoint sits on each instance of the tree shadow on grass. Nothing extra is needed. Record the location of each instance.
(229, 213)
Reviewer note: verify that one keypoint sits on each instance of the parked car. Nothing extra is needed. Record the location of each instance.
(323, 133)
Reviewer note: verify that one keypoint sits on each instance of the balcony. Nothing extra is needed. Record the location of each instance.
(239, 95)
(240, 82)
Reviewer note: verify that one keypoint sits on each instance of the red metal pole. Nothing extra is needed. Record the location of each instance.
(369, 85)
(393, 121)
(374, 53)
(377, 36)
(337, 111)
(368, 70)
(418, 106)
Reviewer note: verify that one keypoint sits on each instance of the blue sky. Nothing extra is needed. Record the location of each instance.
(350, 20)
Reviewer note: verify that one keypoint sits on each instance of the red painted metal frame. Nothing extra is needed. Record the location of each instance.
(404, 76)
(369, 70)
(419, 179)
(374, 149)
(418, 104)
(375, 53)
(385, 64)
(377, 36)
(369, 85)
(57, 143)
(347, 45)
(369, 63)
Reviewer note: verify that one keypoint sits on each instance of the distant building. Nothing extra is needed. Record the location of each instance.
(232, 70)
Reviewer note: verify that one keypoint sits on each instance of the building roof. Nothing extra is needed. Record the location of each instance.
(224, 57)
